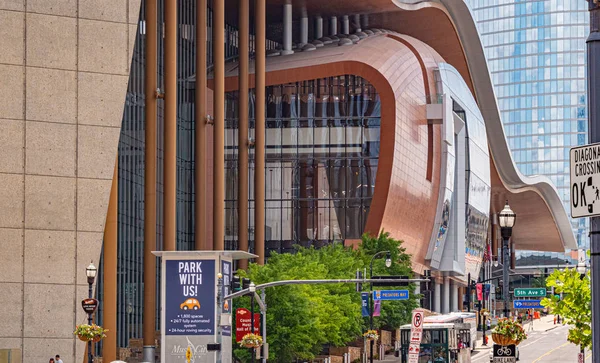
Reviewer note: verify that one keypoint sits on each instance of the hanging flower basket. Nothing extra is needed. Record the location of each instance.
(371, 335)
(87, 333)
(508, 332)
(501, 339)
(251, 341)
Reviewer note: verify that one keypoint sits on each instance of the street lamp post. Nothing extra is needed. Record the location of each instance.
(593, 84)
(507, 220)
(90, 272)
(388, 263)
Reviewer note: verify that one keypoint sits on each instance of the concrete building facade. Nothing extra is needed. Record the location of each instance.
(64, 68)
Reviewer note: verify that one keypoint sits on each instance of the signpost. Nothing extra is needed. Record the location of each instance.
(243, 324)
(89, 305)
(537, 292)
(504, 353)
(416, 333)
(585, 180)
(195, 317)
(390, 295)
(527, 304)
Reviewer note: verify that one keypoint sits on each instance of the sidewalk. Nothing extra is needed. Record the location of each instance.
(541, 325)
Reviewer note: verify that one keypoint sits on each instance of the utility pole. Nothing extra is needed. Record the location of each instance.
(593, 81)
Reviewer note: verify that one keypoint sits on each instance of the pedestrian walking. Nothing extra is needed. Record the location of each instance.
(58, 360)
(51, 360)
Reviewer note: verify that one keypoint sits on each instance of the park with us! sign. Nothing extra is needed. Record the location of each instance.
(530, 292)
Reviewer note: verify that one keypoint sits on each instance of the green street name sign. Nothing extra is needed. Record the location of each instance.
(541, 292)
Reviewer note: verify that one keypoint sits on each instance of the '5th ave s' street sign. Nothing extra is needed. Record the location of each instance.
(539, 292)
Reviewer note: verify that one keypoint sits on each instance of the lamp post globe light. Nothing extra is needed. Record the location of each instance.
(507, 220)
(388, 264)
(90, 272)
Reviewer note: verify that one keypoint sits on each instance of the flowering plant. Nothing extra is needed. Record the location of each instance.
(251, 341)
(87, 332)
(371, 335)
(511, 330)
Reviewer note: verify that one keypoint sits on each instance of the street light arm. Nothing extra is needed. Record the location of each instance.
(380, 253)
(309, 282)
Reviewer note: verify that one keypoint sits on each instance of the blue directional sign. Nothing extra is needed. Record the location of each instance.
(527, 304)
(390, 295)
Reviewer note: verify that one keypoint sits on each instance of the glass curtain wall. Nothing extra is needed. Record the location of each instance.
(322, 151)
(132, 164)
(536, 57)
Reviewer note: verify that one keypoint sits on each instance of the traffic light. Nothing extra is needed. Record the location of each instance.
(399, 283)
(245, 283)
(359, 275)
(235, 284)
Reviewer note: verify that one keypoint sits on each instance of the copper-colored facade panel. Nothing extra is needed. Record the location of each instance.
(201, 129)
(109, 346)
(431, 26)
(259, 152)
(170, 128)
(535, 228)
(218, 186)
(404, 202)
(149, 318)
(244, 31)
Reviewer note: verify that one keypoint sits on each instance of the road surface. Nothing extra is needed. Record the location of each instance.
(549, 346)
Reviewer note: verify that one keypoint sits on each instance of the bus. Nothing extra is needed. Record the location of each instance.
(471, 319)
(458, 317)
(440, 343)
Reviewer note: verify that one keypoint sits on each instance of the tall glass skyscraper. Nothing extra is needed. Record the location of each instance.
(536, 57)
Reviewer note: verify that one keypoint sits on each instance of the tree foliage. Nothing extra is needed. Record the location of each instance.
(575, 307)
(301, 319)
(393, 313)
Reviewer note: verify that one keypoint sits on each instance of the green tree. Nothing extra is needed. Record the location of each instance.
(393, 313)
(301, 319)
(575, 307)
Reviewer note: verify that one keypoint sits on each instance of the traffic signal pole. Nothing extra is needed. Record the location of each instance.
(593, 81)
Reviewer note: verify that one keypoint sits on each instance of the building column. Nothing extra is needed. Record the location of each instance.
(170, 128)
(345, 25)
(200, 132)
(149, 317)
(418, 284)
(287, 28)
(219, 125)
(244, 30)
(109, 346)
(437, 297)
(259, 164)
(318, 27)
(454, 297)
(356, 21)
(446, 298)
(333, 26)
(460, 297)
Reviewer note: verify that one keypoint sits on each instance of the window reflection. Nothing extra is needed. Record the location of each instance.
(322, 150)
